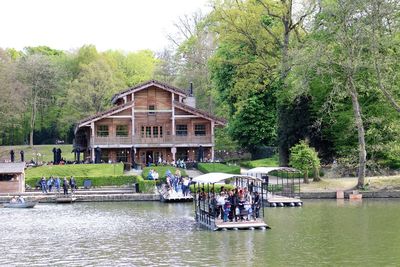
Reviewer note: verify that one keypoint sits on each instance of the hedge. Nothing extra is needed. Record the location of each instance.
(96, 180)
(218, 167)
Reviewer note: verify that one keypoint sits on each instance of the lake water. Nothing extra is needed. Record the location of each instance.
(321, 233)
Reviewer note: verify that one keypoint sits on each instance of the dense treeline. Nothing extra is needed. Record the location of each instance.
(279, 71)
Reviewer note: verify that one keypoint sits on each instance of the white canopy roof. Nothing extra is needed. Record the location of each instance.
(215, 177)
(266, 170)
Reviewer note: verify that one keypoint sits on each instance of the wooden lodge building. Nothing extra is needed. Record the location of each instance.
(149, 121)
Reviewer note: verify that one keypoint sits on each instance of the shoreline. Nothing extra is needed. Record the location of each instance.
(85, 196)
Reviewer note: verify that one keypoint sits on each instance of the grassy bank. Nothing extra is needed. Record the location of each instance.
(267, 162)
(218, 167)
(38, 152)
(379, 183)
(79, 170)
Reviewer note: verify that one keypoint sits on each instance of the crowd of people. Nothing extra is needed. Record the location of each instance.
(55, 183)
(233, 205)
(176, 183)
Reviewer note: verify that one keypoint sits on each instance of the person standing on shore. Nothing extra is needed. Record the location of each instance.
(65, 186)
(72, 183)
(57, 184)
(50, 183)
(43, 185)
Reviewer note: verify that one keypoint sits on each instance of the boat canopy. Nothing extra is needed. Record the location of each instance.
(215, 177)
(266, 170)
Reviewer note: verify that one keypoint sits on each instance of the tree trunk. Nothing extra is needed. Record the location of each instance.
(316, 175)
(306, 181)
(32, 124)
(361, 133)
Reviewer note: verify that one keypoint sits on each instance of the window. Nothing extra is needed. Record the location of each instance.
(148, 131)
(181, 130)
(155, 132)
(102, 130)
(152, 107)
(199, 130)
(152, 131)
(122, 130)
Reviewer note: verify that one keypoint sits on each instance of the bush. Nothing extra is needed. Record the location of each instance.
(218, 167)
(145, 186)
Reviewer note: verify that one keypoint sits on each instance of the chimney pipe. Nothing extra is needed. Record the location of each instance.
(191, 89)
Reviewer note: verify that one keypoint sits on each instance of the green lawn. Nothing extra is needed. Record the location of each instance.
(218, 167)
(40, 152)
(266, 162)
(161, 171)
(81, 170)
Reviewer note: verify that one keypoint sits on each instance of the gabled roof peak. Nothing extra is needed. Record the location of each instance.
(146, 85)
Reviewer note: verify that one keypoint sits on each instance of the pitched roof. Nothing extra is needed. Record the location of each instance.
(105, 113)
(17, 167)
(200, 113)
(146, 85)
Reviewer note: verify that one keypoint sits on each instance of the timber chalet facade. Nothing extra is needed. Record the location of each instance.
(149, 121)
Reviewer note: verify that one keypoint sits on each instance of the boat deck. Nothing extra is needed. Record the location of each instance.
(240, 225)
(282, 201)
(171, 196)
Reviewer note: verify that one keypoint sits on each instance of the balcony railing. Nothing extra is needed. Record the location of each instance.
(115, 141)
(111, 141)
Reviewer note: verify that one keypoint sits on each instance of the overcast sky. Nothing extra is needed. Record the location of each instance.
(128, 25)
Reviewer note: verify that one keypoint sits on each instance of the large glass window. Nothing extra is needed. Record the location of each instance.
(181, 130)
(122, 130)
(102, 130)
(152, 131)
(199, 129)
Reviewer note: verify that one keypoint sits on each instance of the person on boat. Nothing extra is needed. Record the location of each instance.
(65, 186)
(185, 186)
(21, 199)
(57, 184)
(221, 202)
(43, 185)
(13, 200)
(233, 199)
(72, 183)
(50, 183)
(256, 205)
(226, 209)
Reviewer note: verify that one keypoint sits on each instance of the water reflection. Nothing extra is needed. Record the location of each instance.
(158, 234)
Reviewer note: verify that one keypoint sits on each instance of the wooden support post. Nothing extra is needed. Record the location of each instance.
(92, 139)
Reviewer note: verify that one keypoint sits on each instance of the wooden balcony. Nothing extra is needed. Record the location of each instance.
(111, 141)
(167, 140)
